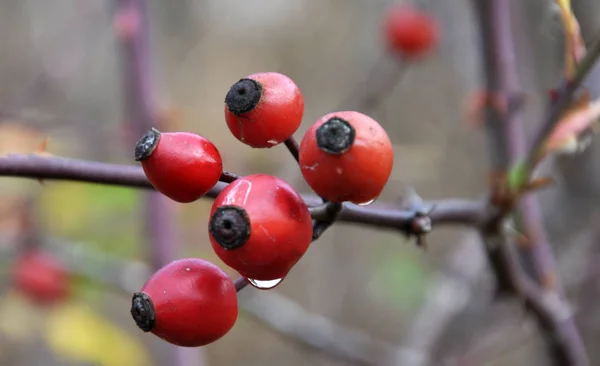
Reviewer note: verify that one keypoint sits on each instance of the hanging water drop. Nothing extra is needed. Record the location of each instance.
(265, 285)
(367, 203)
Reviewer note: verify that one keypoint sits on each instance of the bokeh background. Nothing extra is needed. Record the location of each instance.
(360, 296)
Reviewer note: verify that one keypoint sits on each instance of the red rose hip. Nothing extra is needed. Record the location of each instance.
(181, 165)
(264, 109)
(260, 226)
(188, 302)
(346, 156)
(41, 277)
(409, 31)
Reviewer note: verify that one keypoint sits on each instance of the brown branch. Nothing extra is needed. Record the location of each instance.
(450, 211)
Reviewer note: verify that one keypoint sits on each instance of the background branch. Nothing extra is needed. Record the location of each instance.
(504, 133)
(141, 114)
(267, 307)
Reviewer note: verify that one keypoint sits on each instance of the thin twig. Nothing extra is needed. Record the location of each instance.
(331, 210)
(565, 95)
(380, 81)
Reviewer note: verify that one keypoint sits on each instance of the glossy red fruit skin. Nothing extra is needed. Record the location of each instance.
(277, 116)
(280, 227)
(195, 302)
(41, 277)
(358, 175)
(184, 166)
(409, 31)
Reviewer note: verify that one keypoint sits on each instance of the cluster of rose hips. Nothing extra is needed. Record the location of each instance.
(259, 224)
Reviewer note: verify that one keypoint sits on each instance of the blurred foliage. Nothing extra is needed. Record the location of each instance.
(86, 211)
(400, 279)
(19, 320)
(76, 332)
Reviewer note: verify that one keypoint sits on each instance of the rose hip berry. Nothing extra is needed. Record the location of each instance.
(41, 277)
(188, 302)
(264, 109)
(409, 31)
(346, 156)
(260, 226)
(181, 165)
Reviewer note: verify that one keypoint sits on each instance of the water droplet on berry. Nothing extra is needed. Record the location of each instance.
(265, 285)
(367, 203)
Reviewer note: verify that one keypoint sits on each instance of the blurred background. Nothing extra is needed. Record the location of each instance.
(359, 296)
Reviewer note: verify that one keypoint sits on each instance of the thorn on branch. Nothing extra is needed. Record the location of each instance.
(419, 224)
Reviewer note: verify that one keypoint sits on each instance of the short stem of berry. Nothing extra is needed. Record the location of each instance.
(328, 213)
(293, 147)
(240, 283)
(228, 177)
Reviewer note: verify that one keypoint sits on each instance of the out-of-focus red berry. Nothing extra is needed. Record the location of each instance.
(41, 277)
(409, 31)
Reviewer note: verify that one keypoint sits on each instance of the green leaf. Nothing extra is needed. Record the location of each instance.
(402, 279)
(518, 176)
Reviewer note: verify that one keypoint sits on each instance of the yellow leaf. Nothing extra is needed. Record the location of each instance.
(575, 47)
(76, 332)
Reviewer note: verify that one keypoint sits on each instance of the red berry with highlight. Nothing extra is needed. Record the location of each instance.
(41, 277)
(260, 226)
(264, 109)
(188, 302)
(181, 165)
(409, 31)
(346, 156)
